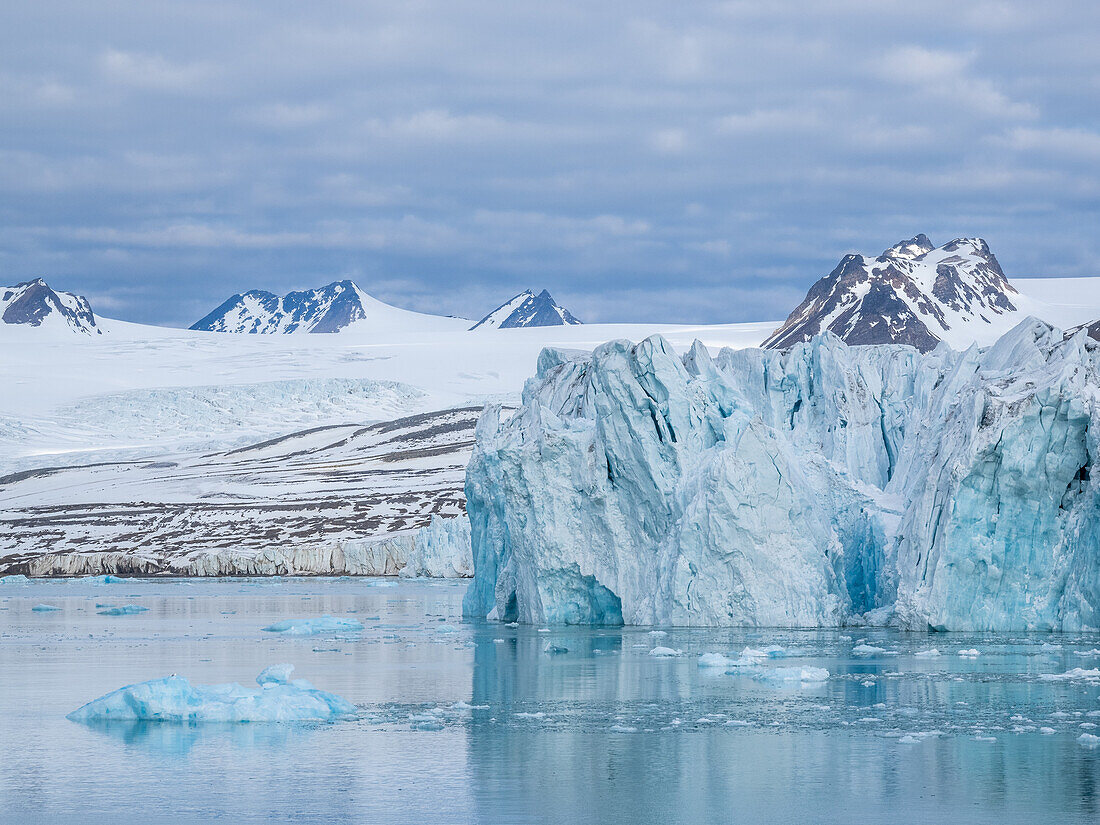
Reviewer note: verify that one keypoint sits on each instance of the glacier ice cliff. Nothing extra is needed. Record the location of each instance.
(820, 485)
(441, 549)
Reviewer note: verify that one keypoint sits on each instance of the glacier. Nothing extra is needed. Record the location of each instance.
(174, 699)
(820, 485)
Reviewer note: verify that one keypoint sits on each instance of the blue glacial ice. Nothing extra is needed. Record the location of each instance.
(174, 699)
(45, 608)
(819, 486)
(125, 610)
(311, 627)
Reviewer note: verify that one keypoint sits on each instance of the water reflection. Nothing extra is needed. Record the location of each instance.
(169, 739)
(627, 739)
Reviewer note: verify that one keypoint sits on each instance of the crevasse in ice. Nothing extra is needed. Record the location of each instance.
(806, 487)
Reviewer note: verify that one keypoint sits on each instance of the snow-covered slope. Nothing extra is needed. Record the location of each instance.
(314, 501)
(34, 304)
(913, 293)
(527, 310)
(817, 486)
(333, 308)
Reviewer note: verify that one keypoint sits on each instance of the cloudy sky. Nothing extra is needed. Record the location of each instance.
(696, 162)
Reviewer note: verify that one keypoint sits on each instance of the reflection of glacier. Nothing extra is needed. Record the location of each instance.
(575, 764)
(796, 488)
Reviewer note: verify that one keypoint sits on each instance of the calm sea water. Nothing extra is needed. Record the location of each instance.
(466, 722)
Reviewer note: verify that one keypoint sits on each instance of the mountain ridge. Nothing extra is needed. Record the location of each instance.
(913, 293)
(528, 310)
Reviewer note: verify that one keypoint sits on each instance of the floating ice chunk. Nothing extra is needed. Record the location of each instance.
(909, 739)
(658, 633)
(1094, 652)
(867, 650)
(623, 729)
(664, 652)
(174, 699)
(125, 610)
(17, 578)
(931, 653)
(44, 608)
(1077, 673)
(1089, 740)
(275, 675)
(311, 627)
(970, 653)
(107, 579)
(790, 674)
(1047, 731)
(715, 660)
(527, 715)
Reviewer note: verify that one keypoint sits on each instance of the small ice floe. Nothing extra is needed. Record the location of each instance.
(623, 729)
(1076, 673)
(1047, 731)
(527, 715)
(311, 627)
(16, 578)
(1088, 653)
(656, 633)
(125, 610)
(174, 699)
(107, 579)
(1089, 740)
(970, 653)
(867, 650)
(554, 649)
(664, 652)
(44, 608)
(715, 660)
(930, 653)
(805, 674)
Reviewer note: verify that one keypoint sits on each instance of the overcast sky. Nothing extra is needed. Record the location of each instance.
(696, 162)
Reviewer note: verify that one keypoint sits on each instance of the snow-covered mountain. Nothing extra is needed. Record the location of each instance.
(333, 308)
(913, 293)
(527, 310)
(33, 303)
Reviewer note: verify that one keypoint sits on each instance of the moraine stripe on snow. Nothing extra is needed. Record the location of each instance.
(334, 500)
(527, 310)
(913, 293)
(954, 491)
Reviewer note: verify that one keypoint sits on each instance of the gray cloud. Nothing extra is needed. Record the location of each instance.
(698, 163)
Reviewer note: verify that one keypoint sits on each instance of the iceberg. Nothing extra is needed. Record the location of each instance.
(174, 699)
(44, 608)
(125, 610)
(822, 485)
(311, 627)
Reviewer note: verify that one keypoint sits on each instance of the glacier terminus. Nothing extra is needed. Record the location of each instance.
(821, 485)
